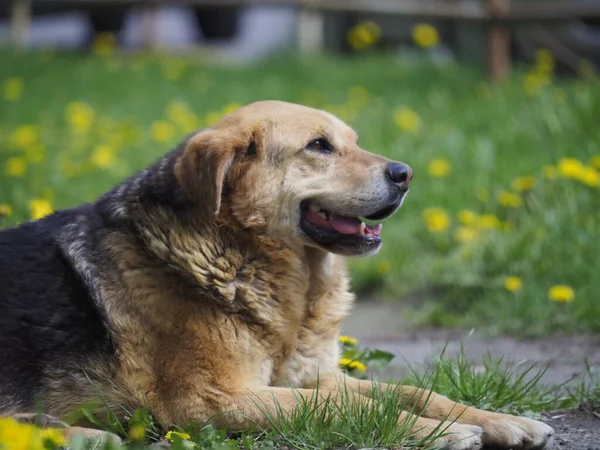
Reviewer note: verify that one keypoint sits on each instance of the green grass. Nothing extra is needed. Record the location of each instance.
(499, 385)
(489, 135)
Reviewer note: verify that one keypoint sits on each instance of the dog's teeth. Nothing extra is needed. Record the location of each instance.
(363, 227)
(313, 207)
(322, 215)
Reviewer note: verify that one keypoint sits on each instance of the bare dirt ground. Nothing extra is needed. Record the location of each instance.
(380, 325)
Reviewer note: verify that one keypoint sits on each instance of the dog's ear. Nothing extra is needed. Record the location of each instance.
(202, 168)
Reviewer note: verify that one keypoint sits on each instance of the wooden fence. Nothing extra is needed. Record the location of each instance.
(499, 14)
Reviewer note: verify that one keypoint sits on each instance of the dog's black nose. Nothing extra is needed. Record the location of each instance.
(399, 173)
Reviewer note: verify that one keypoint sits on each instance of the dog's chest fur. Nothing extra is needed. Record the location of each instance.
(249, 313)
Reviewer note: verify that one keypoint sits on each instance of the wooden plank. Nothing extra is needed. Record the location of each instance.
(20, 20)
(499, 41)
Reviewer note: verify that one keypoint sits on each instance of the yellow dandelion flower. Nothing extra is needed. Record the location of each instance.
(407, 120)
(569, 167)
(523, 184)
(24, 136)
(436, 219)
(103, 156)
(512, 283)
(561, 293)
(439, 168)
(544, 61)
(162, 131)
(488, 222)
(104, 43)
(363, 35)
(137, 432)
(351, 364)
(466, 234)
(425, 35)
(347, 340)
(549, 172)
(595, 161)
(16, 167)
(533, 82)
(19, 436)
(52, 437)
(180, 434)
(589, 176)
(383, 266)
(509, 199)
(39, 208)
(5, 210)
(467, 217)
(80, 116)
(482, 194)
(13, 89)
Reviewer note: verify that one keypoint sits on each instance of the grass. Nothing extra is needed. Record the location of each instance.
(80, 124)
(72, 126)
(499, 385)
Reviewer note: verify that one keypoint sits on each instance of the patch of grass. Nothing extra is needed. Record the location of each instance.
(83, 123)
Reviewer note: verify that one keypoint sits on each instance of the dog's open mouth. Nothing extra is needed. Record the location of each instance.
(329, 229)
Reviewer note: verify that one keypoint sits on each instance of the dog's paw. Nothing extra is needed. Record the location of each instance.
(518, 433)
(452, 436)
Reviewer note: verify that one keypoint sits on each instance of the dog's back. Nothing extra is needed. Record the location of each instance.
(49, 325)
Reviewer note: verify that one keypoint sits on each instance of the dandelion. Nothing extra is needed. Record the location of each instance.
(488, 222)
(39, 208)
(162, 131)
(80, 116)
(569, 167)
(103, 156)
(407, 120)
(436, 219)
(544, 61)
(523, 184)
(512, 284)
(589, 176)
(179, 434)
(347, 340)
(104, 44)
(16, 167)
(466, 234)
(351, 364)
(13, 89)
(5, 210)
(561, 293)
(439, 168)
(24, 136)
(509, 199)
(363, 35)
(137, 432)
(383, 266)
(425, 35)
(52, 437)
(467, 217)
(595, 161)
(533, 82)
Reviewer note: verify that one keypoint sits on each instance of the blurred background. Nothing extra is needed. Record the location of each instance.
(495, 104)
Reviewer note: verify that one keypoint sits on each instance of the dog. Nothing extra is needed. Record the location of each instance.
(212, 285)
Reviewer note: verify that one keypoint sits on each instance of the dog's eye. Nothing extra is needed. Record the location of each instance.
(320, 145)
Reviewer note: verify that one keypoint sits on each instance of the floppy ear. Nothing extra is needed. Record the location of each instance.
(203, 166)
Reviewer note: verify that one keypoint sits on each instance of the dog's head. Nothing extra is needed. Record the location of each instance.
(295, 173)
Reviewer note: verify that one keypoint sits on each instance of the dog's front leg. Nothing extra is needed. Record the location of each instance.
(499, 430)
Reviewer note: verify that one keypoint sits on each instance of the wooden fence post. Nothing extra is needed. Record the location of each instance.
(498, 40)
(20, 19)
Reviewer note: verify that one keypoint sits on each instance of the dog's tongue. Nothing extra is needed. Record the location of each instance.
(345, 225)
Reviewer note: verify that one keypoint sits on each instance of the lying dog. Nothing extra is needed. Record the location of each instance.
(211, 280)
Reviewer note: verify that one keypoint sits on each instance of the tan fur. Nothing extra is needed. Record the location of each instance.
(252, 309)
